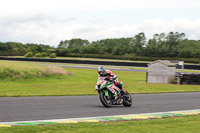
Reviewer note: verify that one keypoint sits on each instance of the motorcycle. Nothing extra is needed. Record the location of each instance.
(106, 94)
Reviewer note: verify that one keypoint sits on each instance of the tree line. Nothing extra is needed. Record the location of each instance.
(20, 49)
(173, 44)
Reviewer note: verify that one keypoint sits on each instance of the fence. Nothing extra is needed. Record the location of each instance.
(94, 62)
(187, 78)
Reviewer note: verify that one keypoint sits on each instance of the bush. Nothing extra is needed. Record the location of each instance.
(29, 54)
(38, 55)
(53, 55)
(44, 54)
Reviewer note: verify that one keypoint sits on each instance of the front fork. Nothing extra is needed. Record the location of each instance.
(106, 92)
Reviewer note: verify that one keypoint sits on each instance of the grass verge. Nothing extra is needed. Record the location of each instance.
(23, 71)
(186, 124)
(82, 82)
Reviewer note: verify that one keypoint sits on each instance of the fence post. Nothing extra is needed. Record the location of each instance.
(146, 77)
(179, 79)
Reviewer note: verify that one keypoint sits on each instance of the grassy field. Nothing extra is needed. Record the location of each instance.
(80, 82)
(186, 124)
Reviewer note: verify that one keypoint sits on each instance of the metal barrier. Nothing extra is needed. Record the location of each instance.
(115, 63)
(94, 62)
(187, 78)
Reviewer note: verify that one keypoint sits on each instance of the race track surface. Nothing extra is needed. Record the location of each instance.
(116, 69)
(61, 107)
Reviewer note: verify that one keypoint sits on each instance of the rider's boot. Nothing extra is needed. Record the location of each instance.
(123, 90)
(116, 97)
(119, 84)
(119, 101)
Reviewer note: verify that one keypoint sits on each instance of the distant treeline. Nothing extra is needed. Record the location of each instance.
(161, 45)
(19, 49)
(172, 45)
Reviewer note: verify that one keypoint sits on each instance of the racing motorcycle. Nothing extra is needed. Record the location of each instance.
(106, 94)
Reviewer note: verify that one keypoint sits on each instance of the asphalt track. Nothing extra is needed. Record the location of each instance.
(62, 107)
(88, 67)
(114, 69)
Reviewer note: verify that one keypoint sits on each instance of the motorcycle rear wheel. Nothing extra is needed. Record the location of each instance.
(105, 100)
(127, 100)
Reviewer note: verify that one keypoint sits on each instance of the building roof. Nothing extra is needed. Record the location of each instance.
(164, 62)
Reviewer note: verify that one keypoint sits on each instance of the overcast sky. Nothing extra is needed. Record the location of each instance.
(50, 21)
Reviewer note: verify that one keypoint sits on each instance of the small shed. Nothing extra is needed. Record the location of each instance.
(161, 71)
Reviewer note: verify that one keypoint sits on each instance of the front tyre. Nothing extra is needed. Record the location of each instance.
(127, 100)
(105, 100)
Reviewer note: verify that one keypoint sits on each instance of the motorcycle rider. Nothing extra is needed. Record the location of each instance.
(111, 77)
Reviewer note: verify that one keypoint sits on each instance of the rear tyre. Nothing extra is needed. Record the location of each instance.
(105, 100)
(127, 100)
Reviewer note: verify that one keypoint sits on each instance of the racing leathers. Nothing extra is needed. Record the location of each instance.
(111, 77)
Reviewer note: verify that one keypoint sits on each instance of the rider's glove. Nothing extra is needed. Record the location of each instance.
(96, 87)
(112, 79)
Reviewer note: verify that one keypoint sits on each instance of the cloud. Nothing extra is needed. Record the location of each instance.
(149, 27)
(34, 18)
(50, 21)
(36, 28)
(41, 31)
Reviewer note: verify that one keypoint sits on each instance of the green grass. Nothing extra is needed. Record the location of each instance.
(186, 124)
(82, 82)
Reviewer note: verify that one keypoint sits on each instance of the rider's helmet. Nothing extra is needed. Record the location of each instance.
(101, 71)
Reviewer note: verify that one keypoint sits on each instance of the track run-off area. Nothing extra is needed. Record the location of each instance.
(145, 116)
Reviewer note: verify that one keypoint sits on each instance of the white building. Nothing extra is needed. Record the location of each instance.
(161, 71)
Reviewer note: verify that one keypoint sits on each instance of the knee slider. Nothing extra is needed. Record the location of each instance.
(119, 85)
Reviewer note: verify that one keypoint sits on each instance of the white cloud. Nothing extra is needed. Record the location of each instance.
(149, 27)
(50, 21)
(34, 30)
(152, 26)
(37, 28)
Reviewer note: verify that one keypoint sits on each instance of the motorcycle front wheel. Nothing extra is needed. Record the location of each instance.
(105, 100)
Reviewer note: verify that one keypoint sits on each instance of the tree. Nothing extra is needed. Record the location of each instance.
(137, 43)
(164, 45)
(118, 50)
(73, 43)
(189, 48)
(172, 42)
